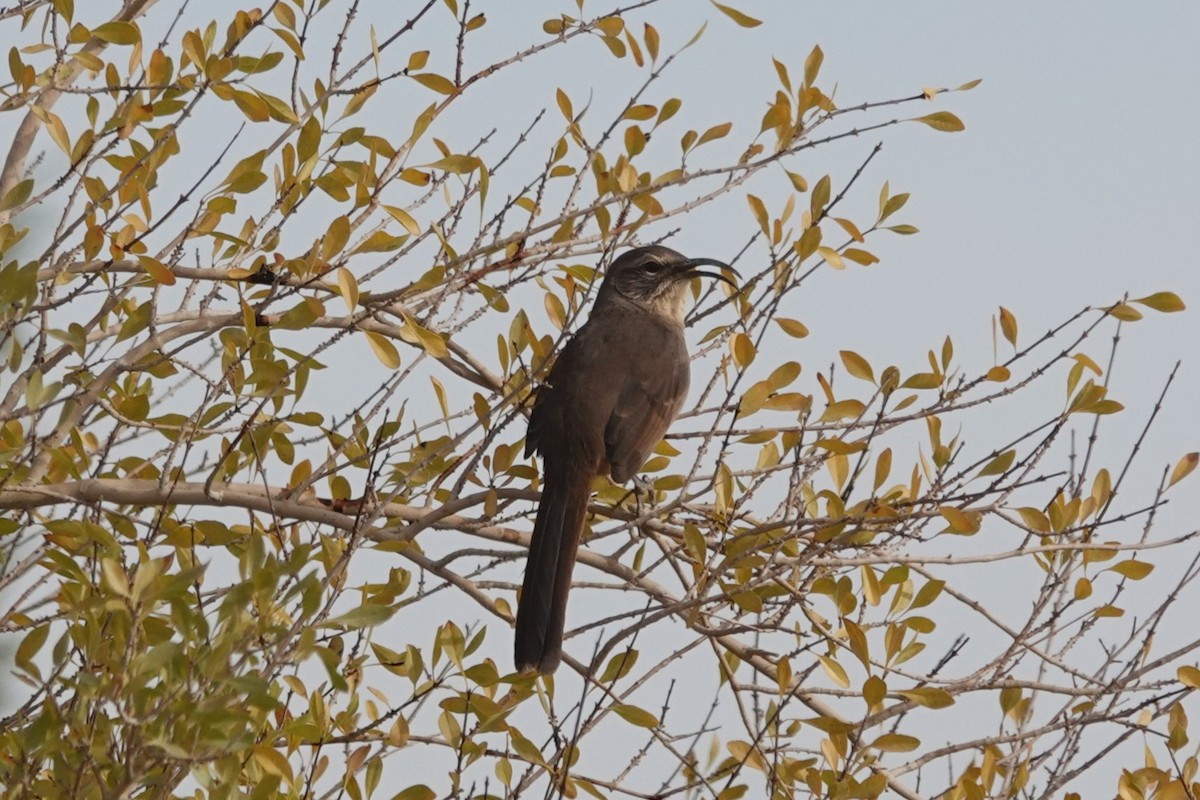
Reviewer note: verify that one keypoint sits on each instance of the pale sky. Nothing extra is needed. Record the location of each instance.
(1077, 178)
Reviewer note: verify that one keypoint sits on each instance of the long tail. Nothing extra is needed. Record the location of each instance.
(542, 611)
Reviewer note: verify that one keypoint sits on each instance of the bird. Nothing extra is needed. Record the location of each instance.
(608, 399)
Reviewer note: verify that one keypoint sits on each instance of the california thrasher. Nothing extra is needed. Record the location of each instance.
(608, 399)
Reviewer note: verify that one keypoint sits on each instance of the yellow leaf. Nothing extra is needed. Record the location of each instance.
(930, 698)
(859, 256)
(335, 238)
(456, 164)
(874, 690)
(157, 270)
(381, 242)
(999, 465)
(1095, 555)
(17, 195)
(883, 467)
(760, 213)
(743, 350)
(348, 287)
(812, 65)
(439, 390)
(253, 106)
(611, 26)
(715, 132)
(404, 218)
(385, 351)
(857, 366)
(564, 104)
(1125, 312)
(1183, 468)
(831, 256)
(435, 82)
(784, 374)
(114, 577)
(896, 743)
(850, 228)
(429, 341)
(792, 327)
(273, 762)
(418, 792)
(637, 716)
(922, 380)
(58, 132)
(1008, 326)
(117, 32)
(1083, 589)
(1189, 676)
(998, 374)
(1132, 569)
(1167, 302)
(834, 670)
(839, 469)
(652, 41)
(745, 20)
(1034, 519)
(641, 112)
(942, 121)
(843, 409)
(960, 521)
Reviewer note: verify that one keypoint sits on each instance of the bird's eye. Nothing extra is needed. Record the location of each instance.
(654, 266)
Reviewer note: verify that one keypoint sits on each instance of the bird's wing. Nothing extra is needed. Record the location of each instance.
(648, 401)
(570, 410)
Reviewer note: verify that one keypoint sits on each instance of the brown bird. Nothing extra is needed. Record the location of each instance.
(616, 386)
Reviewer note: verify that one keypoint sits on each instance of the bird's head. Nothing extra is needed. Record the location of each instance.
(658, 277)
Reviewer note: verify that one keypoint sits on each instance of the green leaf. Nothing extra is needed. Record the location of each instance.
(619, 666)
(17, 195)
(362, 617)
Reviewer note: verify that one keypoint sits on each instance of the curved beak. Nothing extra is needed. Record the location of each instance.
(688, 269)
